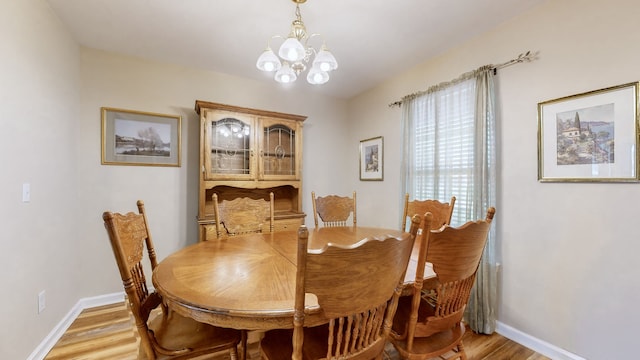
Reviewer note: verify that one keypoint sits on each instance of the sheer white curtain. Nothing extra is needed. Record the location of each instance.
(449, 150)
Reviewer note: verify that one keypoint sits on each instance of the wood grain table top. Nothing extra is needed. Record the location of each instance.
(248, 282)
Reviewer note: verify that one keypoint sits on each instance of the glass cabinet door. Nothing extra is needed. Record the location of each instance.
(279, 142)
(229, 148)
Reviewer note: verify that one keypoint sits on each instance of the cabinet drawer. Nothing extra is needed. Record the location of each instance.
(285, 225)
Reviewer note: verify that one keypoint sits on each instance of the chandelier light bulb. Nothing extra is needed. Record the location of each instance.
(292, 50)
(317, 76)
(325, 60)
(285, 74)
(285, 78)
(269, 66)
(268, 61)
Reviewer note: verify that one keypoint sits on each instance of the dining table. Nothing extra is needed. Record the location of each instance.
(248, 282)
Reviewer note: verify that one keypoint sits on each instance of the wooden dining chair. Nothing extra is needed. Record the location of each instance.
(428, 325)
(354, 296)
(334, 210)
(441, 212)
(167, 335)
(243, 215)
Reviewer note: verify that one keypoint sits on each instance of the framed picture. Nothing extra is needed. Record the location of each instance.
(140, 138)
(372, 159)
(590, 137)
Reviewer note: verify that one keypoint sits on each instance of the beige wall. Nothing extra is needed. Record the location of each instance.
(569, 251)
(39, 97)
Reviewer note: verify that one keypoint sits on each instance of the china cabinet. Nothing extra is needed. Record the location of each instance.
(249, 153)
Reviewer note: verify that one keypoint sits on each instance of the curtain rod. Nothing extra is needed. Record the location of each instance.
(524, 57)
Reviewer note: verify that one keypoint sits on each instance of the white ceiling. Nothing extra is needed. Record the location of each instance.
(371, 39)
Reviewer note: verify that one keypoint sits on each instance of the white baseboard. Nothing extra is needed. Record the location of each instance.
(52, 338)
(539, 346)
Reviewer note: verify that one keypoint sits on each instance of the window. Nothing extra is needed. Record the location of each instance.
(442, 157)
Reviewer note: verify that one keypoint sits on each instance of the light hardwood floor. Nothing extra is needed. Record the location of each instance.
(108, 332)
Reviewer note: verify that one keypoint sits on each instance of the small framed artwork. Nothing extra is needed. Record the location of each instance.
(590, 137)
(140, 138)
(372, 159)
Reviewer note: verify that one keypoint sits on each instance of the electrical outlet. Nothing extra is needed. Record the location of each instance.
(41, 301)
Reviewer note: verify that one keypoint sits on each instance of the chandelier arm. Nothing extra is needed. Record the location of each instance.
(308, 39)
(271, 38)
(309, 49)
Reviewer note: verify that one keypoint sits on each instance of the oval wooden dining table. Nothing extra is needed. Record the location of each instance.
(248, 282)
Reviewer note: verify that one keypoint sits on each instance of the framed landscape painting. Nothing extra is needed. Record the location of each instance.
(371, 159)
(140, 138)
(590, 137)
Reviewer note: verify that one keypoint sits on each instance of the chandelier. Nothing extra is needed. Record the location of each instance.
(296, 54)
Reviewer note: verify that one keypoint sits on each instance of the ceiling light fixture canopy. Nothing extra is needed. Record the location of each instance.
(294, 54)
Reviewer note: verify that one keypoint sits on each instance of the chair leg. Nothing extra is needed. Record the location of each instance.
(243, 345)
(462, 354)
(233, 353)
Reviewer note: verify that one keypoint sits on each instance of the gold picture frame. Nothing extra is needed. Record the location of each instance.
(372, 159)
(132, 137)
(590, 137)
